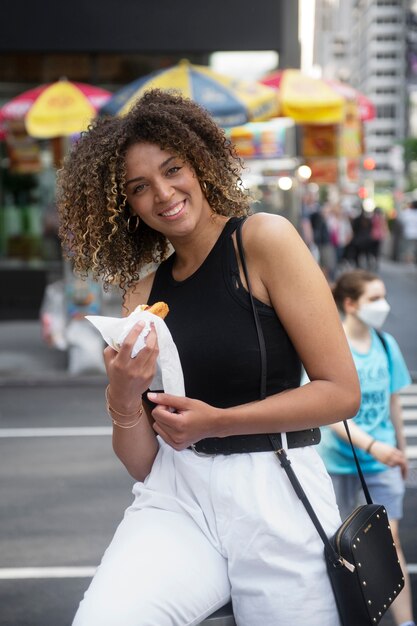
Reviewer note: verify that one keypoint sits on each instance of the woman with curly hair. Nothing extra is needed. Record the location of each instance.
(214, 517)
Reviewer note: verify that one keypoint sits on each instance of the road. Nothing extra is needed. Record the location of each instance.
(63, 493)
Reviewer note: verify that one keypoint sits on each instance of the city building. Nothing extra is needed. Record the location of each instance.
(362, 42)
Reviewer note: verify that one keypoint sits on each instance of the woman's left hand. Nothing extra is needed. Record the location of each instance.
(182, 421)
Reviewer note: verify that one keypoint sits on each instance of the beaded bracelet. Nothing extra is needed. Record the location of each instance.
(136, 415)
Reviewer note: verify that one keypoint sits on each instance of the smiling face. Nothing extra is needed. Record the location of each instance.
(163, 190)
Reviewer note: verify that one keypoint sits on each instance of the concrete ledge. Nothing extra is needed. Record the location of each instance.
(53, 379)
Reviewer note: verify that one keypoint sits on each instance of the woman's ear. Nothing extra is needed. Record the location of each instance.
(350, 305)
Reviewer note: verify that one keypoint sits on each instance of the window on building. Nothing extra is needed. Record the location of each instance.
(386, 111)
(388, 3)
(386, 90)
(385, 38)
(384, 133)
(386, 55)
(390, 19)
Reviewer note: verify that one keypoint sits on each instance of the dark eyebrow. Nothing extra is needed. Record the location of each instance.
(161, 167)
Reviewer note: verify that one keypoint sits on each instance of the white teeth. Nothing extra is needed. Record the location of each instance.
(173, 211)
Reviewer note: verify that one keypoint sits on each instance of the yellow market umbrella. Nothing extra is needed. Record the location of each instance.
(60, 109)
(306, 100)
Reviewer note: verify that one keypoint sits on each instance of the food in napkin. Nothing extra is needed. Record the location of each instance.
(114, 330)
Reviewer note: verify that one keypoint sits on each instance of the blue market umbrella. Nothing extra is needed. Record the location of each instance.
(231, 102)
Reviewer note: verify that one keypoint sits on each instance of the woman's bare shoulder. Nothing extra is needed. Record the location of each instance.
(268, 237)
(267, 225)
(138, 293)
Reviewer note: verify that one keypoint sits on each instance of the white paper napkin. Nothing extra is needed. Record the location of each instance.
(169, 376)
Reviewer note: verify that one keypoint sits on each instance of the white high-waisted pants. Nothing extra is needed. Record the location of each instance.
(204, 529)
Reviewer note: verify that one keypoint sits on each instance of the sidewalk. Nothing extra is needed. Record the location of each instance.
(26, 359)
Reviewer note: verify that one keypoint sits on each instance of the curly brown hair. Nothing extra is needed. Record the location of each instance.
(91, 197)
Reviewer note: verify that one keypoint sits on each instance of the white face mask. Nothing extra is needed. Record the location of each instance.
(374, 313)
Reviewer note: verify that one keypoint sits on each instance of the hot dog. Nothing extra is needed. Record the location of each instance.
(160, 309)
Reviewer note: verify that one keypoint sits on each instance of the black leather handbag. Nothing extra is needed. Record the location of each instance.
(361, 558)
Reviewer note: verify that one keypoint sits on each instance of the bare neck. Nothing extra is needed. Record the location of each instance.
(192, 250)
(357, 332)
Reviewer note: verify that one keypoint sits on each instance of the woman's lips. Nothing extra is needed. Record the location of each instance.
(173, 211)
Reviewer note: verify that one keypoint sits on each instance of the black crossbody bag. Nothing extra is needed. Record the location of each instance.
(361, 558)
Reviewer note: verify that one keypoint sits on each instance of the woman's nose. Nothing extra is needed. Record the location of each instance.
(163, 191)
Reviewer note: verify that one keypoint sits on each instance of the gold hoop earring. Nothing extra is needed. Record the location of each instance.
(132, 229)
(204, 187)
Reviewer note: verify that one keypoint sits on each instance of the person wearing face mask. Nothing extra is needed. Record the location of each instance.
(377, 429)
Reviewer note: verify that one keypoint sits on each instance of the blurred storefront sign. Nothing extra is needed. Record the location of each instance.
(323, 170)
(22, 150)
(263, 140)
(319, 140)
(351, 134)
(352, 170)
(269, 150)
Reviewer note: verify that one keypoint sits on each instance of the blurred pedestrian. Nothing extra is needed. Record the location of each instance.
(214, 515)
(396, 234)
(361, 243)
(309, 205)
(377, 430)
(325, 253)
(379, 231)
(340, 229)
(408, 219)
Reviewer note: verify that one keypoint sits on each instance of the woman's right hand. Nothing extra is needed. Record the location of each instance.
(130, 377)
(389, 455)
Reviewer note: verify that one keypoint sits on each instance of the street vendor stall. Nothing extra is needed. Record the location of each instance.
(271, 166)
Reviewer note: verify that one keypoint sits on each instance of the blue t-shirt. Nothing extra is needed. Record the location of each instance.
(379, 377)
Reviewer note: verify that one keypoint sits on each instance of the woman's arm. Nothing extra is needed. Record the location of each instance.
(397, 420)
(136, 447)
(284, 275)
(382, 452)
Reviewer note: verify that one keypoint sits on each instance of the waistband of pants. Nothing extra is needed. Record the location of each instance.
(236, 444)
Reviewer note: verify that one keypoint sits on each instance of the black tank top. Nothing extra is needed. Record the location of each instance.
(212, 324)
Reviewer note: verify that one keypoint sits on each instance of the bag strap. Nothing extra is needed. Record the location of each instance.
(358, 467)
(276, 443)
(261, 338)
